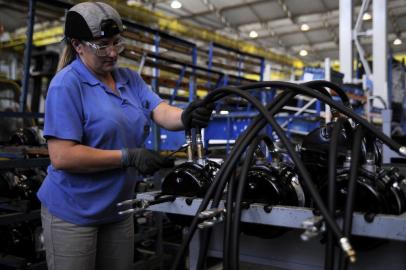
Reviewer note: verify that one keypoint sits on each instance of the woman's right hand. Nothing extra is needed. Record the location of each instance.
(144, 160)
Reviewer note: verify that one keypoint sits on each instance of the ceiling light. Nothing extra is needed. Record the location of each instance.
(367, 16)
(176, 4)
(304, 27)
(253, 34)
(303, 52)
(397, 41)
(131, 3)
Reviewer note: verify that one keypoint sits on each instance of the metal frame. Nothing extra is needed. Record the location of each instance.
(288, 251)
(383, 226)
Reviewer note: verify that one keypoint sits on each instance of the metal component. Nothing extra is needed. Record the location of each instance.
(299, 191)
(190, 179)
(142, 62)
(211, 217)
(129, 211)
(210, 223)
(384, 226)
(211, 213)
(300, 111)
(189, 150)
(142, 204)
(27, 55)
(357, 33)
(370, 163)
(127, 202)
(199, 144)
(347, 162)
(380, 49)
(346, 64)
(402, 150)
(347, 248)
(329, 112)
(313, 227)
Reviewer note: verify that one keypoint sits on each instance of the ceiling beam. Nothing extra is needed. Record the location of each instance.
(221, 10)
(304, 18)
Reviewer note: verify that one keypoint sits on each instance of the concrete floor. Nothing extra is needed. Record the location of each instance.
(248, 266)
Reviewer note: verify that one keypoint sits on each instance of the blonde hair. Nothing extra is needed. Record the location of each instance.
(68, 55)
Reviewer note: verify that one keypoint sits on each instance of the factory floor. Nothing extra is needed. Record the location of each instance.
(247, 266)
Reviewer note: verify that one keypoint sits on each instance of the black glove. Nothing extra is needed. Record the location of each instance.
(145, 160)
(196, 115)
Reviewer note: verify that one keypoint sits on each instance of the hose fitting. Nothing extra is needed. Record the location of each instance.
(199, 145)
(189, 150)
(347, 248)
(402, 150)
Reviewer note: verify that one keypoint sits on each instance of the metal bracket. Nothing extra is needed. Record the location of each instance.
(313, 227)
(211, 217)
(143, 204)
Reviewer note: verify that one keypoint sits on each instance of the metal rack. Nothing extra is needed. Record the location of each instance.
(288, 251)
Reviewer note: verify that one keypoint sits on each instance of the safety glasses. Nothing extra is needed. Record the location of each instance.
(105, 50)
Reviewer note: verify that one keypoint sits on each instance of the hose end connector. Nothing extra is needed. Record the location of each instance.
(402, 150)
(347, 248)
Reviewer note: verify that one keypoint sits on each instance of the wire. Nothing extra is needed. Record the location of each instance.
(299, 164)
(219, 182)
(235, 229)
(331, 184)
(340, 92)
(352, 187)
(248, 134)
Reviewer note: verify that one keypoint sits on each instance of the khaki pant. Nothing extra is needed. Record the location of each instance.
(103, 247)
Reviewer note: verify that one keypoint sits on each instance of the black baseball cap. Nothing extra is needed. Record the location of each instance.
(92, 20)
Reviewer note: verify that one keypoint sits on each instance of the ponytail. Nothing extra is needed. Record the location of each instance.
(68, 55)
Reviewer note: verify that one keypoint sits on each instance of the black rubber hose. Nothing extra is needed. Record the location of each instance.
(258, 123)
(317, 87)
(331, 193)
(228, 223)
(228, 167)
(352, 188)
(339, 91)
(235, 229)
(204, 246)
(300, 89)
(219, 190)
(218, 195)
(295, 157)
(302, 169)
(240, 146)
(303, 90)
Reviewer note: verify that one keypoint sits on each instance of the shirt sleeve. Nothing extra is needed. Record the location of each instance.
(149, 99)
(63, 109)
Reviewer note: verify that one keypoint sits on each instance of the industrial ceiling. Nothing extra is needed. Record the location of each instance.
(287, 27)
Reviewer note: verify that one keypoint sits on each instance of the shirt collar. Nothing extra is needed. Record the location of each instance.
(85, 74)
(88, 77)
(119, 78)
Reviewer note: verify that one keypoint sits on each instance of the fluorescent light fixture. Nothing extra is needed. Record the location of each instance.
(176, 4)
(304, 27)
(253, 34)
(303, 52)
(397, 42)
(131, 3)
(224, 112)
(367, 16)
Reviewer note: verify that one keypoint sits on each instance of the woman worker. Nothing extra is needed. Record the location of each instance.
(97, 117)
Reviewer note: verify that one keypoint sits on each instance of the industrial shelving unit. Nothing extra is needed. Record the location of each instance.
(180, 72)
(20, 212)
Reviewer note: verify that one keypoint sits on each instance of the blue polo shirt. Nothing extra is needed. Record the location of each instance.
(81, 108)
